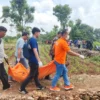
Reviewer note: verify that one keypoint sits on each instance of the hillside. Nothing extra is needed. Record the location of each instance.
(84, 75)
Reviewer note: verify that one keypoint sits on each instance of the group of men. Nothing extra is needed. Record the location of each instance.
(58, 51)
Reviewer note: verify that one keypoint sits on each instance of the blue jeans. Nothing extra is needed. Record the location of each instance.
(60, 70)
(23, 62)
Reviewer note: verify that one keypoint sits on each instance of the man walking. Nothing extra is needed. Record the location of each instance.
(34, 62)
(53, 42)
(19, 49)
(3, 74)
(61, 50)
(52, 51)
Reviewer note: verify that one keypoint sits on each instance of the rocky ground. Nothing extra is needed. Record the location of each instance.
(87, 87)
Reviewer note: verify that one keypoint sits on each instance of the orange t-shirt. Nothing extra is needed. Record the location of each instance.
(61, 48)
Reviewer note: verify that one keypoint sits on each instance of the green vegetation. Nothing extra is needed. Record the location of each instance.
(77, 65)
(62, 12)
(95, 59)
(88, 65)
(44, 53)
(9, 50)
(82, 31)
(19, 13)
(96, 44)
(49, 35)
(10, 39)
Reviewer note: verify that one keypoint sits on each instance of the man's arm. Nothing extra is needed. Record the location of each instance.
(75, 54)
(19, 52)
(36, 54)
(37, 57)
(70, 52)
(34, 48)
(20, 47)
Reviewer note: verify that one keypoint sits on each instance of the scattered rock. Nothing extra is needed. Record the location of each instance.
(30, 98)
(81, 90)
(90, 95)
(57, 98)
(43, 98)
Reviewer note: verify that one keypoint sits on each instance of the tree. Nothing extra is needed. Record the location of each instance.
(18, 35)
(19, 13)
(48, 36)
(55, 29)
(97, 34)
(82, 31)
(71, 23)
(78, 22)
(62, 12)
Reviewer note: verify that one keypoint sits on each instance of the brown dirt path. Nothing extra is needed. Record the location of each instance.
(90, 83)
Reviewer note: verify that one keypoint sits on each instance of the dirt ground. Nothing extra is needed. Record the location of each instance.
(87, 87)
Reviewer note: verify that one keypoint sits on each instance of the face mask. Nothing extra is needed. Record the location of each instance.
(68, 37)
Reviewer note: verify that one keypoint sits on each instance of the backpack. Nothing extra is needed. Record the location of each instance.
(26, 50)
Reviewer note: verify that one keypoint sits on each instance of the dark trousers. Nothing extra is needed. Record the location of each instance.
(3, 76)
(79, 46)
(33, 74)
(53, 57)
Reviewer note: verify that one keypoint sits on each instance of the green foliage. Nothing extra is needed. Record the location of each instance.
(19, 13)
(88, 65)
(79, 31)
(18, 36)
(62, 12)
(71, 23)
(96, 59)
(77, 65)
(96, 44)
(44, 53)
(6, 13)
(97, 34)
(82, 31)
(48, 35)
(10, 39)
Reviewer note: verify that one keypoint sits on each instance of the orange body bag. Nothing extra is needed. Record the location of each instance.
(19, 73)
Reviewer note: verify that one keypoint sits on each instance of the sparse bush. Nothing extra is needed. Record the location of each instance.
(96, 58)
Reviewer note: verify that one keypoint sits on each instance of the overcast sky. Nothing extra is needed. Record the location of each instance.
(86, 10)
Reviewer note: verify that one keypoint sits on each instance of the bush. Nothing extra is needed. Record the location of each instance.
(96, 58)
(96, 44)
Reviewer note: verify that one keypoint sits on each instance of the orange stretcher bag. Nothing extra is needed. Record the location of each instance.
(19, 73)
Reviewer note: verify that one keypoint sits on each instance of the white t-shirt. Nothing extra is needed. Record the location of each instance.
(2, 53)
